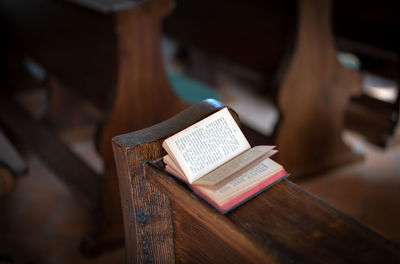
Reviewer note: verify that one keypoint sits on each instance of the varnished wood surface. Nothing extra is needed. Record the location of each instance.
(206, 228)
(285, 223)
(169, 127)
(139, 198)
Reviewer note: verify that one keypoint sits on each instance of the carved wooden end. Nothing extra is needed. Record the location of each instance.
(166, 223)
(313, 97)
(146, 210)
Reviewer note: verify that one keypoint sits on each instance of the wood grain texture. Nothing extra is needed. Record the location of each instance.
(206, 227)
(151, 211)
(146, 211)
(196, 242)
(284, 224)
(313, 97)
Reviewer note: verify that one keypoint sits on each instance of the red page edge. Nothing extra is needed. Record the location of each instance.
(232, 204)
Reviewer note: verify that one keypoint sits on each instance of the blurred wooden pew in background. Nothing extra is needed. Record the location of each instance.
(109, 54)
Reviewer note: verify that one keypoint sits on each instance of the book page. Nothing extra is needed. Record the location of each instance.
(176, 174)
(236, 166)
(172, 168)
(243, 183)
(206, 145)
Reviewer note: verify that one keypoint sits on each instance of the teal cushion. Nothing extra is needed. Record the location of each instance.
(190, 90)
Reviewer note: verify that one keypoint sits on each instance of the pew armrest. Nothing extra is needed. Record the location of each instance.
(166, 222)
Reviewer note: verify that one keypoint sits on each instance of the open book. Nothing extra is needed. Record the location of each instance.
(215, 159)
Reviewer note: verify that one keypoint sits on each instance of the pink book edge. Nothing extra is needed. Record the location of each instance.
(247, 195)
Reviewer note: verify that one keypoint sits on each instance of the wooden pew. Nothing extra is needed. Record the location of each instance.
(109, 53)
(292, 45)
(166, 223)
(309, 86)
(313, 97)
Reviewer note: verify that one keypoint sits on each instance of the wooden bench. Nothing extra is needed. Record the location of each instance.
(166, 223)
(295, 58)
(108, 52)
